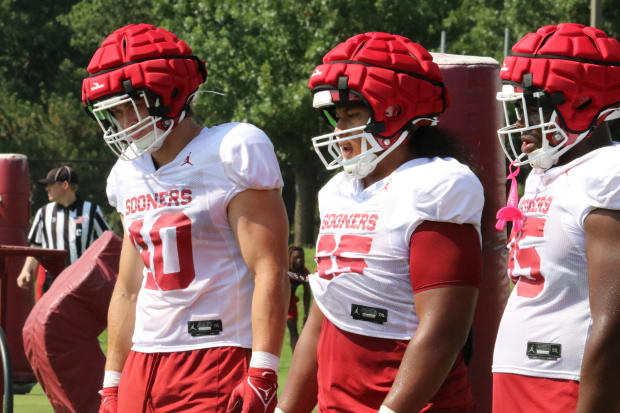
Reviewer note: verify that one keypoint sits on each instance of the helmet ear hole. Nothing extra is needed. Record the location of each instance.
(393, 111)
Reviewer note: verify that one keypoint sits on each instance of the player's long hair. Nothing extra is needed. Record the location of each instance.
(292, 249)
(432, 141)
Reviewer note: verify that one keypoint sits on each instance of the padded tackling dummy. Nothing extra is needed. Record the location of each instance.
(14, 224)
(60, 334)
(474, 115)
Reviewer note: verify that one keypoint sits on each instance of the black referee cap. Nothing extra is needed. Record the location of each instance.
(60, 174)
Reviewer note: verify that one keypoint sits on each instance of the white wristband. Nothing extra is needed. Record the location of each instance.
(278, 410)
(111, 378)
(264, 360)
(385, 409)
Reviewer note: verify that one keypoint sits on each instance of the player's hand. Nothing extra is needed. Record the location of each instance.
(257, 393)
(109, 400)
(24, 280)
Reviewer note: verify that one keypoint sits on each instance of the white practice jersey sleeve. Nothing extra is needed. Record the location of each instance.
(362, 283)
(547, 319)
(196, 290)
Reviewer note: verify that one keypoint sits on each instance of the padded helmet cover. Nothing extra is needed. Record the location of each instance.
(581, 62)
(386, 70)
(152, 58)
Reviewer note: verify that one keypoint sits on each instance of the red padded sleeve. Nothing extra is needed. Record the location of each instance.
(443, 254)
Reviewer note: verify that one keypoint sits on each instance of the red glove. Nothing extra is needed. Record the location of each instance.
(257, 393)
(109, 400)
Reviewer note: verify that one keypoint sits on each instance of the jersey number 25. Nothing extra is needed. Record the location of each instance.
(329, 257)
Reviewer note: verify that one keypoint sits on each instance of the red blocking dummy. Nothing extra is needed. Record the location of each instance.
(60, 334)
(473, 117)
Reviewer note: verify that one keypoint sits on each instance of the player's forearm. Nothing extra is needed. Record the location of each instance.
(122, 310)
(30, 265)
(269, 308)
(301, 388)
(121, 320)
(600, 376)
(427, 362)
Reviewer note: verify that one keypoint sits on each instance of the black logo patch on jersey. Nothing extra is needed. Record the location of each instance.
(543, 351)
(372, 314)
(204, 328)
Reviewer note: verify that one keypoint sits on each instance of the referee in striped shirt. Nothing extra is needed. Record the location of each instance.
(67, 223)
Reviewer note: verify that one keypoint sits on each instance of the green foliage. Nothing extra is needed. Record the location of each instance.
(477, 26)
(32, 44)
(34, 402)
(91, 21)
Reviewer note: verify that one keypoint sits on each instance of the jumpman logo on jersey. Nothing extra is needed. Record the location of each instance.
(187, 161)
(385, 187)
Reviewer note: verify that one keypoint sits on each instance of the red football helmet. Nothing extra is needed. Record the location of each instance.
(394, 77)
(141, 62)
(564, 80)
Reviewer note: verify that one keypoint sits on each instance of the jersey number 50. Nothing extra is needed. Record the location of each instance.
(171, 240)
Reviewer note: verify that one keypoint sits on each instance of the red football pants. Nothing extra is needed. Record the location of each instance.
(514, 393)
(356, 373)
(198, 381)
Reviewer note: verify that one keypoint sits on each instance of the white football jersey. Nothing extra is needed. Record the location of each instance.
(547, 319)
(362, 283)
(196, 290)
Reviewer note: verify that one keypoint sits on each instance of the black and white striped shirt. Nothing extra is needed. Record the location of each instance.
(71, 228)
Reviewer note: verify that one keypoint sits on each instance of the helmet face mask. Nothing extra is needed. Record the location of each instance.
(523, 115)
(144, 136)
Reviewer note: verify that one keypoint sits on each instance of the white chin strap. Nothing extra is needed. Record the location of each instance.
(363, 167)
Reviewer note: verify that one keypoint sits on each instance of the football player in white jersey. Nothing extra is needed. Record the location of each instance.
(198, 313)
(398, 251)
(558, 345)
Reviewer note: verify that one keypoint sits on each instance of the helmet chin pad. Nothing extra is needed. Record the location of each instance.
(363, 167)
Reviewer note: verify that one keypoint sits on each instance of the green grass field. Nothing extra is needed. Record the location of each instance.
(36, 401)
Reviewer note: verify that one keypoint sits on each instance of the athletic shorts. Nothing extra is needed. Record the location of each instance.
(514, 393)
(359, 376)
(197, 381)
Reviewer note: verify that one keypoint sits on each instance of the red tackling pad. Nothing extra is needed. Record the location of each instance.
(61, 332)
(474, 115)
